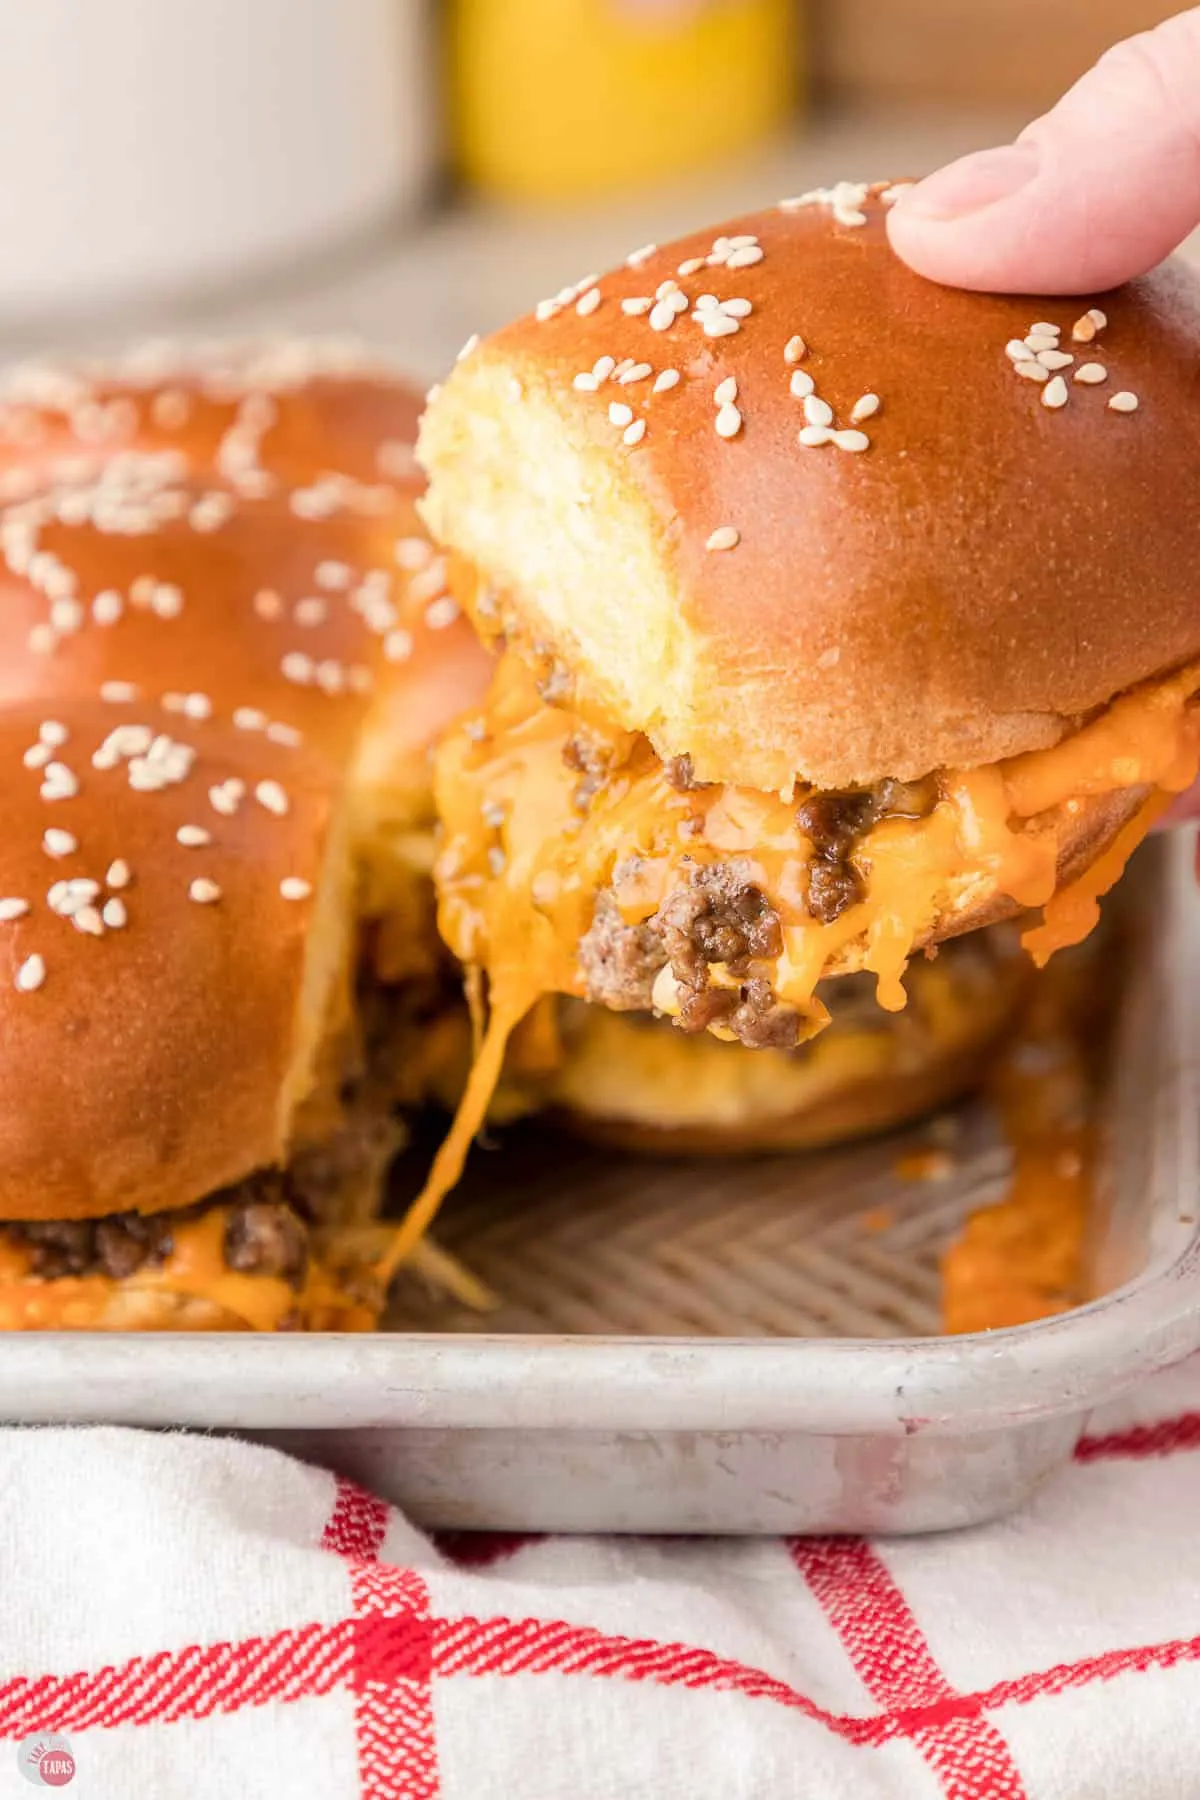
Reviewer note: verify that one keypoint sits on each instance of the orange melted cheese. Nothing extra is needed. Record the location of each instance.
(523, 860)
(196, 1269)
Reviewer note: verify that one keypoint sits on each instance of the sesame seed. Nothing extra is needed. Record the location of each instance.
(635, 372)
(249, 718)
(174, 702)
(1017, 350)
(59, 784)
(167, 600)
(795, 350)
(107, 607)
(1099, 319)
(118, 693)
(1041, 340)
(813, 437)
(30, 975)
(471, 344)
(297, 667)
(224, 799)
(12, 909)
(636, 305)
(203, 891)
(37, 756)
(853, 441)
(440, 613)
(1083, 331)
(718, 324)
(410, 553)
(1091, 374)
(398, 646)
(279, 733)
(294, 887)
(866, 408)
(619, 414)
(603, 367)
(267, 604)
(88, 920)
(725, 392)
(668, 378)
(197, 706)
(585, 383)
(817, 411)
(310, 612)
(725, 537)
(118, 874)
(334, 577)
(271, 795)
(42, 639)
(66, 616)
(1055, 394)
(66, 897)
(1123, 403)
(829, 659)
(114, 914)
(588, 303)
(1032, 371)
(1043, 328)
(545, 309)
(636, 258)
(745, 257)
(662, 316)
(193, 837)
(330, 676)
(1055, 359)
(59, 843)
(633, 434)
(802, 384)
(729, 422)
(691, 265)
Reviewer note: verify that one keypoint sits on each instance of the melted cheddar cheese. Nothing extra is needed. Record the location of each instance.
(526, 853)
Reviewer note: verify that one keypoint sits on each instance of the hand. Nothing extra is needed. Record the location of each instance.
(1099, 190)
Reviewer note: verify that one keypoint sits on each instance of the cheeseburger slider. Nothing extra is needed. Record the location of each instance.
(841, 614)
(227, 644)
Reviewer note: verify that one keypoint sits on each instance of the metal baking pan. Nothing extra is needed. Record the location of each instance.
(784, 1428)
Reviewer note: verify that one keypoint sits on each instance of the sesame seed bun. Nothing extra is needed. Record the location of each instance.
(971, 552)
(228, 645)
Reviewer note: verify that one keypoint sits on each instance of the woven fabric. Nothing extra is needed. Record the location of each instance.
(195, 1617)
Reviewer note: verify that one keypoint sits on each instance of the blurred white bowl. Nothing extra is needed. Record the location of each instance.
(152, 145)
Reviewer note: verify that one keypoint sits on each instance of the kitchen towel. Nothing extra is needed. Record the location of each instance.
(196, 1617)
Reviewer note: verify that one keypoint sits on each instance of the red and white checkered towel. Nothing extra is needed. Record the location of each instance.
(184, 1616)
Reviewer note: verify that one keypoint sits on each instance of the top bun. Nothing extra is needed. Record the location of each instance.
(973, 545)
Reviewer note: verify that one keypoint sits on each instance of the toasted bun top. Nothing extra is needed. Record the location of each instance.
(964, 558)
(201, 644)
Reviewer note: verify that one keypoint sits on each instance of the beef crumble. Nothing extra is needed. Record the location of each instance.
(836, 823)
(720, 916)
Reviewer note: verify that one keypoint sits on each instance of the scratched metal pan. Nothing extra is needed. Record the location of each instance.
(724, 1348)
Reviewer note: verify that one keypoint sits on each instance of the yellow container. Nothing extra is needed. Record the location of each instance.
(558, 100)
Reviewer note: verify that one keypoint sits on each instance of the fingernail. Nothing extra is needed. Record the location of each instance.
(972, 183)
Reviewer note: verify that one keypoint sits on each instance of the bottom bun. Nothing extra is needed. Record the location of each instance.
(629, 1079)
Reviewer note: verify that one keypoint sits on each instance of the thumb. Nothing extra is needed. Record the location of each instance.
(1099, 190)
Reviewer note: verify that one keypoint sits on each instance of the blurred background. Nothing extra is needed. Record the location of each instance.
(410, 171)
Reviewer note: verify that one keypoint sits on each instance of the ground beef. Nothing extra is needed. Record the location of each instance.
(620, 961)
(590, 759)
(681, 775)
(718, 917)
(118, 1245)
(837, 822)
(265, 1237)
